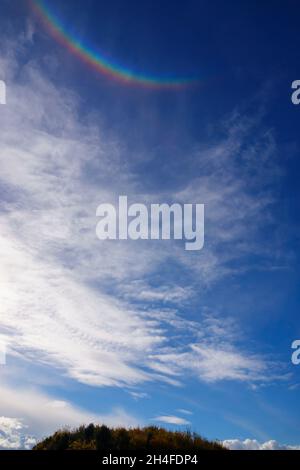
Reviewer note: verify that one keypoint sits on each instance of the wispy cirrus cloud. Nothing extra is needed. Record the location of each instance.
(170, 419)
(184, 411)
(214, 363)
(59, 281)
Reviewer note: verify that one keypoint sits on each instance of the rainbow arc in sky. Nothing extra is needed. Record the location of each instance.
(98, 61)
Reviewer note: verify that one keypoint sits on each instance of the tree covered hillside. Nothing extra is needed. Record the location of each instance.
(96, 437)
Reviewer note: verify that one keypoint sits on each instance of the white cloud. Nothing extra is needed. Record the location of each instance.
(139, 290)
(253, 444)
(169, 419)
(55, 274)
(214, 363)
(138, 395)
(49, 252)
(217, 354)
(12, 434)
(38, 414)
(42, 302)
(184, 411)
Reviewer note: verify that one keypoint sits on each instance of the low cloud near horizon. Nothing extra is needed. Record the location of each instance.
(253, 444)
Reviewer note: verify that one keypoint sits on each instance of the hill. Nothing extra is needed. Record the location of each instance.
(152, 438)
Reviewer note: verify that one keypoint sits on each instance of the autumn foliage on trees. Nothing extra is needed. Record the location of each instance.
(95, 437)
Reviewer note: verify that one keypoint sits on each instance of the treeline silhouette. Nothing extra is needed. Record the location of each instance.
(102, 438)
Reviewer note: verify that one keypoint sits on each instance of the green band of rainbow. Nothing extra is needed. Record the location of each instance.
(97, 60)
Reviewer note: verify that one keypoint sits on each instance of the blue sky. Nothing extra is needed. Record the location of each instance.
(138, 332)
